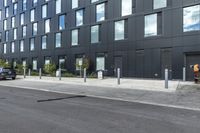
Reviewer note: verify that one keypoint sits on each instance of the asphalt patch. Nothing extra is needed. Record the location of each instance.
(61, 98)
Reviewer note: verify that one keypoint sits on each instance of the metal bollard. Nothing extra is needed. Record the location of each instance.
(84, 75)
(184, 74)
(24, 72)
(118, 76)
(29, 72)
(40, 73)
(59, 73)
(166, 78)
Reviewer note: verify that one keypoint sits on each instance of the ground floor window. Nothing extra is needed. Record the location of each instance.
(34, 64)
(100, 63)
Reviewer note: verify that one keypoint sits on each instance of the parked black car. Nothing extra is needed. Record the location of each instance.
(7, 73)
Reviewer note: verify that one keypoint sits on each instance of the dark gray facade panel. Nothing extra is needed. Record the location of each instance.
(140, 56)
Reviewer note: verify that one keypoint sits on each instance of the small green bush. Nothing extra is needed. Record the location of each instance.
(3, 63)
(92, 75)
(50, 69)
(67, 74)
(34, 73)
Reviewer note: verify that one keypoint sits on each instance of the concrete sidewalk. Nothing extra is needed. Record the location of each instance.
(139, 84)
(186, 95)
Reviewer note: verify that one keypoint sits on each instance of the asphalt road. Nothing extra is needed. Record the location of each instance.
(30, 111)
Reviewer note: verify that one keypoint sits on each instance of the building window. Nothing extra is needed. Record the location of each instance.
(4, 48)
(100, 63)
(32, 15)
(13, 22)
(24, 31)
(44, 11)
(75, 3)
(6, 35)
(62, 62)
(21, 46)
(44, 42)
(15, 9)
(0, 14)
(22, 19)
(32, 44)
(34, 64)
(58, 6)
(0, 36)
(100, 12)
(62, 22)
(24, 7)
(34, 29)
(35, 2)
(7, 12)
(58, 40)
(95, 34)
(5, 3)
(191, 18)
(159, 4)
(79, 62)
(153, 25)
(12, 47)
(47, 61)
(5, 24)
(92, 1)
(120, 30)
(74, 37)
(126, 7)
(15, 34)
(47, 26)
(79, 17)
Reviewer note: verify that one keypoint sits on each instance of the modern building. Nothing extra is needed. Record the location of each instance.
(142, 37)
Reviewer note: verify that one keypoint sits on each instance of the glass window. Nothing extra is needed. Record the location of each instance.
(95, 34)
(58, 40)
(5, 2)
(47, 26)
(61, 62)
(92, 1)
(6, 35)
(4, 48)
(119, 30)
(12, 47)
(7, 12)
(79, 17)
(44, 42)
(191, 18)
(34, 30)
(74, 39)
(74, 3)
(100, 12)
(79, 60)
(22, 18)
(47, 61)
(34, 64)
(24, 31)
(126, 6)
(15, 9)
(24, 5)
(13, 22)
(0, 14)
(21, 46)
(58, 6)
(100, 63)
(62, 22)
(32, 15)
(32, 44)
(159, 4)
(5, 24)
(35, 2)
(44, 11)
(15, 34)
(150, 25)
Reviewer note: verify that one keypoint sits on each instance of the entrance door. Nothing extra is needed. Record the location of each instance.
(191, 60)
(140, 63)
(166, 62)
(118, 64)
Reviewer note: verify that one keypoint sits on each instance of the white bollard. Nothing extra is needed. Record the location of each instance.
(85, 75)
(59, 73)
(24, 72)
(29, 72)
(184, 74)
(118, 76)
(40, 73)
(166, 78)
